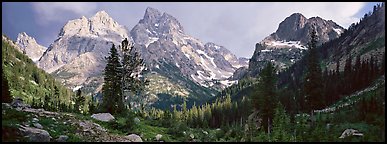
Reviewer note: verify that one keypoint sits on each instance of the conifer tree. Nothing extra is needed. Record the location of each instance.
(313, 81)
(265, 97)
(111, 90)
(132, 68)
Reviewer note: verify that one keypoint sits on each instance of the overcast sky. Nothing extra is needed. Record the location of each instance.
(237, 26)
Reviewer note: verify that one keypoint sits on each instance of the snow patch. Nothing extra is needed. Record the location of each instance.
(177, 65)
(295, 44)
(77, 88)
(157, 66)
(338, 31)
(151, 40)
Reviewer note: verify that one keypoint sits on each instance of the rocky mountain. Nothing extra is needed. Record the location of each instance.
(162, 39)
(29, 46)
(285, 46)
(183, 64)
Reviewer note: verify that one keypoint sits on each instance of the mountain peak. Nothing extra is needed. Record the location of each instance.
(23, 38)
(29, 46)
(101, 14)
(151, 15)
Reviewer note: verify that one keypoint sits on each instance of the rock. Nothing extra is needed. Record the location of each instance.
(158, 137)
(38, 125)
(35, 119)
(133, 138)
(136, 120)
(205, 132)
(35, 135)
(192, 136)
(18, 103)
(350, 132)
(106, 117)
(62, 138)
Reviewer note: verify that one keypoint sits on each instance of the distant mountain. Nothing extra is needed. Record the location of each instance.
(285, 46)
(162, 40)
(29, 46)
(182, 65)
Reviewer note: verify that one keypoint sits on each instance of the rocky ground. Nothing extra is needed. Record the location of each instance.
(40, 125)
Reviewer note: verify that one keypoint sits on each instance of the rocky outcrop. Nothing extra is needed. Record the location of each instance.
(158, 137)
(35, 134)
(62, 138)
(106, 117)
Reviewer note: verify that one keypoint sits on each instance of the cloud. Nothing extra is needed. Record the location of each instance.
(48, 12)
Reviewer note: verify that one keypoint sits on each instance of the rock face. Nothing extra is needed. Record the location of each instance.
(35, 134)
(106, 117)
(18, 103)
(134, 138)
(29, 46)
(286, 46)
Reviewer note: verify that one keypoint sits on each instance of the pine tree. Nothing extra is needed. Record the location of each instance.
(112, 89)
(266, 94)
(132, 69)
(79, 101)
(313, 81)
(281, 124)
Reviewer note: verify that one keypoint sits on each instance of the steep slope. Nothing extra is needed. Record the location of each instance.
(287, 44)
(29, 46)
(26, 80)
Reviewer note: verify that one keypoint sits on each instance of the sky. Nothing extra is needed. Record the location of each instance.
(235, 25)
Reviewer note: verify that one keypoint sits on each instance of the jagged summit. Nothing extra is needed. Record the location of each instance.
(29, 46)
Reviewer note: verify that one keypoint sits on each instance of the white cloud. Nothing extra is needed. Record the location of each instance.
(54, 11)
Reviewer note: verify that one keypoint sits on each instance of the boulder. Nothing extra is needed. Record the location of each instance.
(133, 138)
(38, 125)
(35, 119)
(350, 132)
(62, 138)
(18, 103)
(35, 134)
(106, 117)
(158, 137)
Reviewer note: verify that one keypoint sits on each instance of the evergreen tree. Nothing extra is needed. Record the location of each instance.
(313, 81)
(132, 69)
(5, 94)
(266, 95)
(79, 101)
(281, 124)
(111, 90)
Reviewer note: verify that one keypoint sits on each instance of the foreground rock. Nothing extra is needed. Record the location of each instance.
(106, 117)
(62, 138)
(35, 134)
(350, 132)
(158, 137)
(134, 138)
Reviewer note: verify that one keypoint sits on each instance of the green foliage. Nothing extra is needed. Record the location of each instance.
(112, 101)
(281, 125)
(27, 81)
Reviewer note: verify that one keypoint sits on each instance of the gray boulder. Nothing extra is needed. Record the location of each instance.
(38, 125)
(62, 138)
(133, 138)
(35, 134)
(18, 103)
(106, 117)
